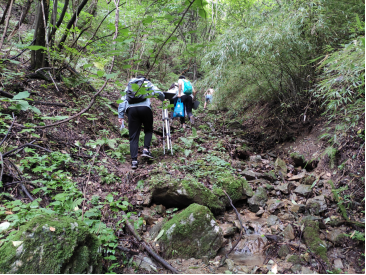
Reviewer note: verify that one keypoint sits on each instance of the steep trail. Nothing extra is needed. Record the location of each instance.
(276, 237)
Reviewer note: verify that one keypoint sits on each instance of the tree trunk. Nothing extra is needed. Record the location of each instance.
(5, 12)
(6, 24)
(38, 58)
(54, 28)
(24, 14)
(70, 24)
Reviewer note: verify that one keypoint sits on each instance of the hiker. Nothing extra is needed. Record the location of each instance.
(173, 90)
(186, 93)
(138, 109)
(208, 97)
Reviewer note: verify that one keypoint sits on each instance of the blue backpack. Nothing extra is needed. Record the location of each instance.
(187, 87)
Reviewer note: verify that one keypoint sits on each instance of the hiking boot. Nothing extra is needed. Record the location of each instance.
(146, 153)
(134, 164)
(191, 119)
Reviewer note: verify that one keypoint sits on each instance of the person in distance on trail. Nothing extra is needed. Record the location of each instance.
(173, 90)
(138, 109)
(186, 93)
(208, 97)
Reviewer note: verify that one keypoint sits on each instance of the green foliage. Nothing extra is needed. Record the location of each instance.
(331, 152)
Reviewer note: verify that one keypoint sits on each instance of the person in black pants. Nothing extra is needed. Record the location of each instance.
(139, 114)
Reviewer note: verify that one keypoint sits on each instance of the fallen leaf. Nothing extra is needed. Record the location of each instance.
(8, 212)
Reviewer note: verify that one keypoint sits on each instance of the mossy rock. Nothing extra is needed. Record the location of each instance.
(295, 259)
(192, 233)
(172, 192)
(51, 244)
(312, 240)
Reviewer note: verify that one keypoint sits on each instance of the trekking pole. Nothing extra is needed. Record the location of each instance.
(162, 119)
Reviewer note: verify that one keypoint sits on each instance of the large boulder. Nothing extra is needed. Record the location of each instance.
(173, 192)
(192, 233)
(51, 244)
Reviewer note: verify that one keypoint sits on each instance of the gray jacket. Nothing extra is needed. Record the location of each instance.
(123, 107)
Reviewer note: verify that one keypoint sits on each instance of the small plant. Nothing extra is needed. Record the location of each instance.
(331, 153)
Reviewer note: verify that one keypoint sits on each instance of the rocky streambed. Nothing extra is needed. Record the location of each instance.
(286, 220)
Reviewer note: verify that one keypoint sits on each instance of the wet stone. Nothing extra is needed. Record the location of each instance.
(259, 199)
(306, 270)
(250, 175)
(296, 268)
(335, 236)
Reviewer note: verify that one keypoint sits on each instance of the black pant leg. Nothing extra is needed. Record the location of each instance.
(134, 128)
(188, 104)
(147, 119)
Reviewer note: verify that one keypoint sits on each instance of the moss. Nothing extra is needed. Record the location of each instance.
(312, 240)
(69, 247)
(295, 259)
(187, 234)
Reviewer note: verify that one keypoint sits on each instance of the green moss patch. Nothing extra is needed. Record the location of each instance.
(312, 240)
(51, 244)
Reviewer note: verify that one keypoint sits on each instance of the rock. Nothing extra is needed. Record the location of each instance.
(260, 212)
(280, 165)
(52, 244)
(298, 176)
(271, 176)
(256, 158)
(146, 263)
(148, 215)
(306, 270)
(316, 205)
(258, 199)
(338, 263)
(228, 229)
(4, 226)
(303, 190)
(154, 231)
(288, 233)
(274, 204)
(298, 208)
(283, 188)
(247, 189)
(272, 220)
(295, 259)
(230, 264)
(250, 175)
(312, 240)
(160, 209)
(296, 268)
(286, 216)
(191, 233)
(308, 180)
(283, 251)
(336, 236)
(173, 192)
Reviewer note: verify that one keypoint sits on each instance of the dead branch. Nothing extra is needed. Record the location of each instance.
(25, 190)
(6, 24)
(11, 126)
(126, 250)
(2, 167)
(241, 224)
(148, 249)
(25, 145)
